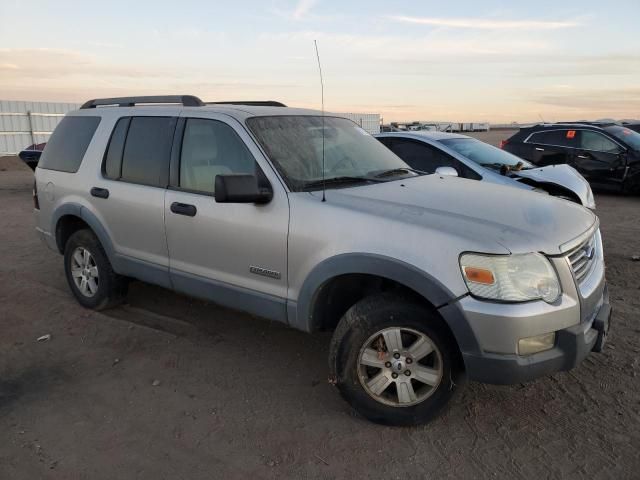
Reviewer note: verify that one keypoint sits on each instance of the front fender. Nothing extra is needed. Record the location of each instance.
(300, 313)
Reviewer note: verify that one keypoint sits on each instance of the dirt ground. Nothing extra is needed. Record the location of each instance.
(170, 387)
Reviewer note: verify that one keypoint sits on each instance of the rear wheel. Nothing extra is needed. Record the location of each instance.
(89, 273)
(394, 360)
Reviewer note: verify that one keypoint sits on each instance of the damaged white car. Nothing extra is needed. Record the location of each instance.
(460, 155)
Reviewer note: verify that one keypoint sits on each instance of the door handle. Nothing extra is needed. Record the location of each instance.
(540, 149)
(184, 209)
(100, 192)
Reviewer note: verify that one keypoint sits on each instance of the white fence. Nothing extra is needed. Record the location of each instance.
(26, 123)
(368, 121)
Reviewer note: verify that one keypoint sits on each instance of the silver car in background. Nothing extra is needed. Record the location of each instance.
(464, 156)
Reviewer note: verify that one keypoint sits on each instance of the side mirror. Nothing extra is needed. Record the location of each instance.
(447, 171)
(241, 188)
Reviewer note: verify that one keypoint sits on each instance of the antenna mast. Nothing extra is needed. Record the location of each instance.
(322, 101)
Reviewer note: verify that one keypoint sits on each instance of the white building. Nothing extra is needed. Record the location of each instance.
(25, 123)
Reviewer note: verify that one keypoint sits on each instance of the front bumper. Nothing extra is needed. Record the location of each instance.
(573, 344)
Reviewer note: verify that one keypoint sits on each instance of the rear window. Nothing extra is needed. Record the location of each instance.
(68, 144)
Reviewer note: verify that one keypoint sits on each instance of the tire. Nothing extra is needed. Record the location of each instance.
(368, 323)
(629, 188)
(103, 288)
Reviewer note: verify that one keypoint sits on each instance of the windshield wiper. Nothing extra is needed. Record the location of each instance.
(339, 181)
(397, 171)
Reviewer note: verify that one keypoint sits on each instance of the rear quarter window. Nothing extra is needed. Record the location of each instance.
(68, 144)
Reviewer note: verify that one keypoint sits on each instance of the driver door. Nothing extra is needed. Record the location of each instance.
(234, 254)
(599, 159)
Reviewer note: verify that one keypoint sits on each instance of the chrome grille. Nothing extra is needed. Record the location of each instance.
(582, 258)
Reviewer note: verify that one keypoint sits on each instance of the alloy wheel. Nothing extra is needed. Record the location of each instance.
(400, 367)
(84, 272)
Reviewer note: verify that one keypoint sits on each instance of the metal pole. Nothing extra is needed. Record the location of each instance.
(33, 138)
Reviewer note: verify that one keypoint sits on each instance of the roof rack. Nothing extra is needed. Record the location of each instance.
(252, 103)
(594, 123)
(185, 100)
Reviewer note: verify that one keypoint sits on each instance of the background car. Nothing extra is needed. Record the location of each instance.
(607, 155)
(467, 157)
(31, 155)
(632, 126)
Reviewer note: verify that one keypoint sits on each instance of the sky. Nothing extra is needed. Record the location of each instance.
(463, 60)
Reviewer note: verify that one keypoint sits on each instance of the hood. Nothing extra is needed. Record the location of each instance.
(520, 221)
(562, 176)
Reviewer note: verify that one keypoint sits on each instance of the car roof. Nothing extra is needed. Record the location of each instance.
(246, 111)
(240, 112)
(586, 125)
(422, 134)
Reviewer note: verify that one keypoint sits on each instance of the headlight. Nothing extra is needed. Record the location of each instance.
(510, 278)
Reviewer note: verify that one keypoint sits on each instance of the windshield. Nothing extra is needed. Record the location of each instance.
(627, 135)
(484, 154)
(351, 155)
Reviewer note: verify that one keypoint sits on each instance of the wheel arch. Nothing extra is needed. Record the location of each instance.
(309, 311)
(70, 217)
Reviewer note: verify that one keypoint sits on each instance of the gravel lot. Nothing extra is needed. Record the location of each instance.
(170, 387)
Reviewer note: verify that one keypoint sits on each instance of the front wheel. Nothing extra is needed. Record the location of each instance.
(394, 360)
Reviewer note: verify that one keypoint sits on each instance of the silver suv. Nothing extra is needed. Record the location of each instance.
(308, 220)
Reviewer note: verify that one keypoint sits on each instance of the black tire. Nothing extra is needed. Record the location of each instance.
(111, 287)
(630, 188)
(365, 319)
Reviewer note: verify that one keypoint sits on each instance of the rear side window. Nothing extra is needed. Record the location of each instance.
(139, 150)
(427, 158)
(386, 141)
(113, 158)
(558, 138)
(418, 155)
(68, 144)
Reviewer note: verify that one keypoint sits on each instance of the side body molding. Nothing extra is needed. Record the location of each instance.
(300, 313)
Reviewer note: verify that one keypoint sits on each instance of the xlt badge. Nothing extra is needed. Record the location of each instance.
(265, 272)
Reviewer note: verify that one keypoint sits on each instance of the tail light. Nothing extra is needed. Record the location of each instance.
(36, 203)
(503, 143)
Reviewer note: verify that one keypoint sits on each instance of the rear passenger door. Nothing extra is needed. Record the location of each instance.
(232, 253)
(130, 194)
